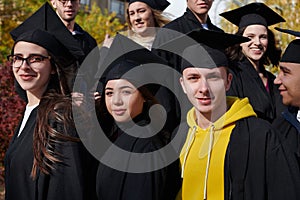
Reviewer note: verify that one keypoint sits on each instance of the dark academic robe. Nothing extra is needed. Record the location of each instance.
(86, 41)
(74, 179)
(162, 184)
(247, 83)
(289, 133)
(255, 165)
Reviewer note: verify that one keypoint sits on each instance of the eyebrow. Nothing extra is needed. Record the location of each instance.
(122, 87)
(284, 68)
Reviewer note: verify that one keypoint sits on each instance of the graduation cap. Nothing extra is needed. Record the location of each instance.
(253, 13)
(123, 59)
(203, 48)
(46, 29)
(291, 53)
(160, 5)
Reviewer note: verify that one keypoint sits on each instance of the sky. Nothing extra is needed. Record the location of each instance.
(177, 8)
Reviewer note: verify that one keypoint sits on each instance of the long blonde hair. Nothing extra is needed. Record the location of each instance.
(159, 19)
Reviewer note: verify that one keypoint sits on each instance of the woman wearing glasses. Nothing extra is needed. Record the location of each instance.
(46, 159)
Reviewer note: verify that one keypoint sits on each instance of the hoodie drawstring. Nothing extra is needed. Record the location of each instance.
(187, 149)
(211, 141)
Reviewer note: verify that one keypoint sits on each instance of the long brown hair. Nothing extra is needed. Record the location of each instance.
(54, 123)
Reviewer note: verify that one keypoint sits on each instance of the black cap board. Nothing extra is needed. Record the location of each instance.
(203, 48)
(291, 53)
(253, 13)
(44, 20)
(160, 5)
(124, 56)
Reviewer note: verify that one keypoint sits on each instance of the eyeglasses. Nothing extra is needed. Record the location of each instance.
(64, 2)
(33, 60)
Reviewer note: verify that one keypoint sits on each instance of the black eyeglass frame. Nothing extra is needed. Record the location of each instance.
(11, 59)
(64, 2)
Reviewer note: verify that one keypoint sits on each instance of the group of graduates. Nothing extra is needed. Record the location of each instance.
(183, 110)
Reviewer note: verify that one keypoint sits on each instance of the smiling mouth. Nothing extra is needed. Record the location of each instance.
(27, 77)
(119, 112)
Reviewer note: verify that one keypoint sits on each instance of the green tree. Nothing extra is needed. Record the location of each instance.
(98, 23)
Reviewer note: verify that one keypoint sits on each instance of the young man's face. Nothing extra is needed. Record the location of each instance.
(288, 80)
(206, 89)
(66, 9)
(199, 6)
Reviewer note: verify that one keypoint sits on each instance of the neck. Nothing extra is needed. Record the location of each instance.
(33, 99)
(255, 64)
(204, 120)
(202, 18)
(68, 24)
(150, 32)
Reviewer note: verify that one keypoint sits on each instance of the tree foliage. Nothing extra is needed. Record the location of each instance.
(98, 23)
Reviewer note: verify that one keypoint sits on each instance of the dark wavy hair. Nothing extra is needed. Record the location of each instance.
(271, 56)
(54, 123)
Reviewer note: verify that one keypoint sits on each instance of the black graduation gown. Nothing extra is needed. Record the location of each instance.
(86, 41)
(162, 184)
(247, 83)
(74, 179)
(289, 133)
(255, 165)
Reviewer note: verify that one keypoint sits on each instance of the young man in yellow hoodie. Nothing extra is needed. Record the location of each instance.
(229, 153)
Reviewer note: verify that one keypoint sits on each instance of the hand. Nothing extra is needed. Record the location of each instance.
(77, 98)
(107, 41)
(97, 96)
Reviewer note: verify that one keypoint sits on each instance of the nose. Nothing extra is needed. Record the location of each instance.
(203, 86)
(137, 17)
(256, 40)
(117, 99)
(277, 80)
(68, 3)
(24, 65)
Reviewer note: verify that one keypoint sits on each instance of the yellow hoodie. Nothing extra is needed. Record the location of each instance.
(203, 154)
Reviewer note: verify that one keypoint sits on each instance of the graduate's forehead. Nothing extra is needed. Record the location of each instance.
(203, 71)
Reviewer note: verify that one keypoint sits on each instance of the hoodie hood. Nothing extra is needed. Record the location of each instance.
(238, 109)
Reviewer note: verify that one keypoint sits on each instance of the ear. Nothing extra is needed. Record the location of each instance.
(53, 2)
(228, 82)
(182, 84)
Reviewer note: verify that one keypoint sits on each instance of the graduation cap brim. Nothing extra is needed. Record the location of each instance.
(160, 5)
(125, 55)
(46, 19)
(203, 48)
(253, 13)
(291, 53)
(291, 32)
